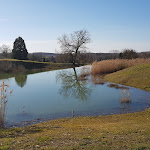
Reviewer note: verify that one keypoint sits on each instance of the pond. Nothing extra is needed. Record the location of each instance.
(58, 94)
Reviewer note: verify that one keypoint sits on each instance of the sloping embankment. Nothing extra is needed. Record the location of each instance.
(136, 76)
(11, 65)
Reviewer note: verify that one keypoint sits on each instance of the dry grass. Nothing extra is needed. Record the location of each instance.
(86, 72)
(4, 93)
(109, 66)
(116, 132)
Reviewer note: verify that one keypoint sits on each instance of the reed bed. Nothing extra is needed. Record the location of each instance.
(109, 66)
(85, 71)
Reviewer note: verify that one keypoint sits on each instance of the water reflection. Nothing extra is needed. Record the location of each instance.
(72, 86)
(97, 79)
(86, 76)
(47, 103)
(125, 100)
(21, 79)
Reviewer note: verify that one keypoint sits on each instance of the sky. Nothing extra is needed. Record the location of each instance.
(112, 24)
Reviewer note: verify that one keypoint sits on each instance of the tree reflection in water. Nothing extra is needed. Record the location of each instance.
(71, 86)
(21, 79)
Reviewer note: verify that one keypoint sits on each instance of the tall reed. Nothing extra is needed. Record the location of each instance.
(4, 93)
(109, 66)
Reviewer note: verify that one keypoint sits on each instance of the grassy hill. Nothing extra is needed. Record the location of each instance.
(137, 76)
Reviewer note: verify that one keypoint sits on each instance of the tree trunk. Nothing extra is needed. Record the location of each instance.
(74, 61)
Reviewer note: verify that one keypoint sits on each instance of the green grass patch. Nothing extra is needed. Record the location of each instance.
(44, 139)
(136, 76)
(4, 147)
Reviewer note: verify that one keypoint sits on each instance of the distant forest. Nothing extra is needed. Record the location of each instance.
(64, 58)
(83, 58)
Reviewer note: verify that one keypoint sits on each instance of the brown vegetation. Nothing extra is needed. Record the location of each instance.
(97, 79)
(109, 66)
(125, 97)
(116, 86)
(4, 93)
(85, 71)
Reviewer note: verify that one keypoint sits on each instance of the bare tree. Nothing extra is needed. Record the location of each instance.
(5, 50)
(74, 43)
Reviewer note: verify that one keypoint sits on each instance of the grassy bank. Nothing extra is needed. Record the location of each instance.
(136, 76)
(125, 131)
(13, 66)
(118, 132)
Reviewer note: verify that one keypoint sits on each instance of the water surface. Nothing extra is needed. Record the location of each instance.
(54, 94)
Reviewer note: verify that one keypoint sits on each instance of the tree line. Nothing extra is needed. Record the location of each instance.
(73, 50)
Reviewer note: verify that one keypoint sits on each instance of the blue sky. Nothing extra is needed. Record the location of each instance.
(112, 24)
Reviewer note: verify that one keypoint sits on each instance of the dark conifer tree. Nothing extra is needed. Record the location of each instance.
(19, 49)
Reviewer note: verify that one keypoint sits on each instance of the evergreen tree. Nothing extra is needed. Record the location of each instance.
(19, 49)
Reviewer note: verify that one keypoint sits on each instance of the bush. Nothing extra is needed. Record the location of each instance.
(128, 54)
